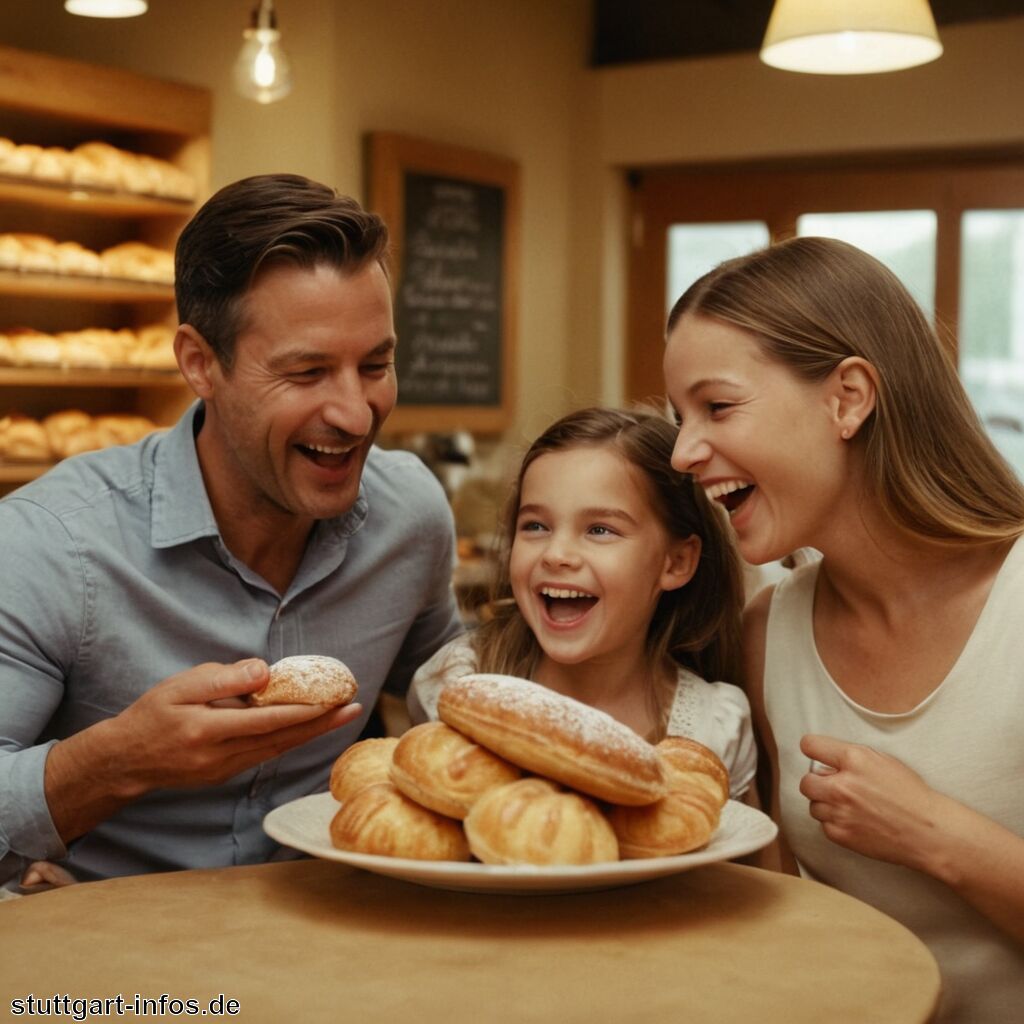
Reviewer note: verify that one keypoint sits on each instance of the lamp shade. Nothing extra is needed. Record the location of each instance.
(850, 37)
(106, 8)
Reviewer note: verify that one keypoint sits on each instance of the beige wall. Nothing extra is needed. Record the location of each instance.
(508, 76)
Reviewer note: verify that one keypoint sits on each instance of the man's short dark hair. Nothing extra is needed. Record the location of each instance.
(260, 222)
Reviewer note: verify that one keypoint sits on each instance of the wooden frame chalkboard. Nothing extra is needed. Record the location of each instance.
(453, 215)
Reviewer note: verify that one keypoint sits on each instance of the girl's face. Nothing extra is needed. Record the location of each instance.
(757, 438)
(590, 556)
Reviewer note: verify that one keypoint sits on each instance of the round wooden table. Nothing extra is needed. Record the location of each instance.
(315, 940)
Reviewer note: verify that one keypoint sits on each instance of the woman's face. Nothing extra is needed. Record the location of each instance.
(760, 440)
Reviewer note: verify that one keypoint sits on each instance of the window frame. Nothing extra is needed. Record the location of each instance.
(777, 194)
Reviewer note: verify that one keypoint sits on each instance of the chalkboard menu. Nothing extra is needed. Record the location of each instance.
(453, 218)
(449, 305)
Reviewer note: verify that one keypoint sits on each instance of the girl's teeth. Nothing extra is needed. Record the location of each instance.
(552, 592)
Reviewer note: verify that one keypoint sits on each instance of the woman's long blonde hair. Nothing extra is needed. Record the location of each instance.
(812, 302)
(697, 625)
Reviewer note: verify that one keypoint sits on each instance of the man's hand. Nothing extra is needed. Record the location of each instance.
(189, 730)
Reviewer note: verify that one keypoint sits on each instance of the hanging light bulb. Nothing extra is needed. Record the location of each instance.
(262, 71)
(106, 8)
(859, 38)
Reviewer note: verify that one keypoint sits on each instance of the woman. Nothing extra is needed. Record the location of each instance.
(818, 406)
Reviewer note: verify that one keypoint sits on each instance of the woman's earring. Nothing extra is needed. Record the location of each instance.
(845, 434)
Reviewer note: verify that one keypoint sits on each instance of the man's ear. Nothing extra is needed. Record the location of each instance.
(853, 394)
(196, 360)
(681, 563)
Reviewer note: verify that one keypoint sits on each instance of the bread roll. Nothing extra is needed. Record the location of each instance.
(687, 816)
(446, 771)
(137, 261)
(532, 821)
(96, 164)
(307, 679)
(33, 348)
(52, 163)
(365, 763)
(61, 426)
(383, 821)
(686, 759)
(24, 439)
(121, 428)
(554, 736)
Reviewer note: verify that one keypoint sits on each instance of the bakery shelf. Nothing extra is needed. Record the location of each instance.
(55, 376)
(90, 289)
(22, 472)
(61, 196)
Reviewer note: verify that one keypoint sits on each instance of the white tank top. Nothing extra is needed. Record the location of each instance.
(966, 739)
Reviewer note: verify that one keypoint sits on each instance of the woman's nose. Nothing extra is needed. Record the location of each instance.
(690, 450)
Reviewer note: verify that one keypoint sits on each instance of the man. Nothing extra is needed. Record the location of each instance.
(145, 589)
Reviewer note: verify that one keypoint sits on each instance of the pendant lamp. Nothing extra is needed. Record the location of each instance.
(850, 37)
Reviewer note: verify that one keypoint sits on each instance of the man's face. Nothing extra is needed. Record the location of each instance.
(289, 426)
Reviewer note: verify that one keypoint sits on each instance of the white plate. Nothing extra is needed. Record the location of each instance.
(305, 825)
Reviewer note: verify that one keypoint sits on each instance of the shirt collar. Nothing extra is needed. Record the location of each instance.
(181, 510)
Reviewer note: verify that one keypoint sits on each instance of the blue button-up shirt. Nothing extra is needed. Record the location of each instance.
(113, 576)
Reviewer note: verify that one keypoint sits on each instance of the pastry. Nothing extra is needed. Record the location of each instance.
(96, 164)
(383, 821)
(681, 756)
(72, 258)
(446, 771)
(682, 820)
(554, 736)
(137, 261)
(33, 348)
(61, 426)
(21, 250)
(687, 816)
(532, 821)
(23, 439)
(121, 428)
(52, 163)
(364, 764)
(154, 348)
(307, 679)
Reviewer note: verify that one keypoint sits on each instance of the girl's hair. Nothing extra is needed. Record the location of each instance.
(697, 625)
(812, 302)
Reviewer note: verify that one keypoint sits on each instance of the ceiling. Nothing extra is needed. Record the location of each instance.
(631, 31)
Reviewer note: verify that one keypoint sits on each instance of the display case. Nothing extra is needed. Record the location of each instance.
(51, 111)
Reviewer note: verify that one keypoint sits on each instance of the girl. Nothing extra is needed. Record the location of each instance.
(817, 405)
(619, 587)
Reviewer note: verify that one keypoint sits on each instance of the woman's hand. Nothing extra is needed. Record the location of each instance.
(870, 802)
(875, 805)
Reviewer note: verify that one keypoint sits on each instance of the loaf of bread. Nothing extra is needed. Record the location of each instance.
(365, 763)
(554, 736)
(533, 821)
(383, 821)
(307, 679)
(446, 771)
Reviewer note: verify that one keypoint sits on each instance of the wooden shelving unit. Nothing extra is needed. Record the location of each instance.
(49, 101)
